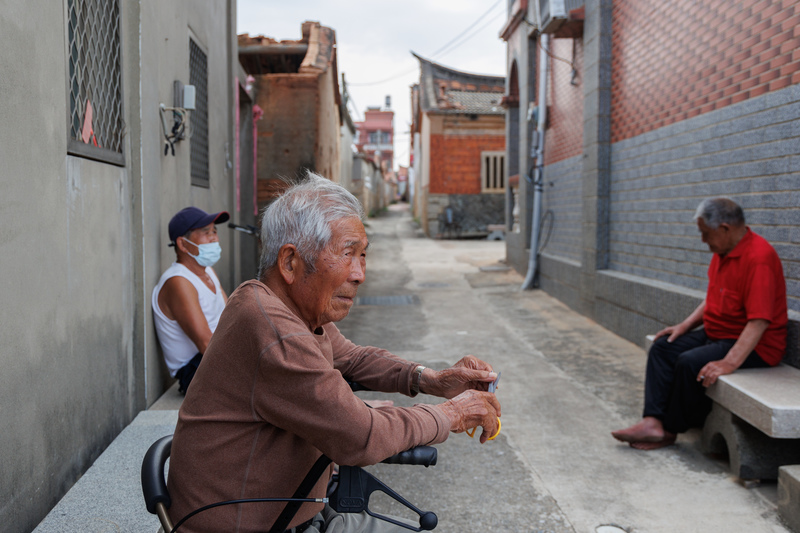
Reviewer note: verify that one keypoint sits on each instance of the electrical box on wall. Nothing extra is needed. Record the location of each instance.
(177, 93)
(183, 96)
(188, 97)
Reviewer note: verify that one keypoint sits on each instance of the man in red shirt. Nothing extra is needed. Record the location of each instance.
(744, 317)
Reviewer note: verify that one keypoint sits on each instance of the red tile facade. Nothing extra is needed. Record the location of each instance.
(675, 60)
(456, 161)
(565, 101)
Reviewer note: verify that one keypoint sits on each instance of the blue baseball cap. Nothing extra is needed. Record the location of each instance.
(190, 218)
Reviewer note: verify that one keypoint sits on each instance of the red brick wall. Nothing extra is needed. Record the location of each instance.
(675, 60)
(456, 161)
(564, 137)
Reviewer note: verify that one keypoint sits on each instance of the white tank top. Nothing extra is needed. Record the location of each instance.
(178, 348)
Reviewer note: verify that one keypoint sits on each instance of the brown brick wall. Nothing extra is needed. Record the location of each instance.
(565, 101)
(456, 161)
(674, 60)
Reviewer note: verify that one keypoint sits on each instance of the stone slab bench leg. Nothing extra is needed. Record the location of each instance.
(753, 454)
(789, 495)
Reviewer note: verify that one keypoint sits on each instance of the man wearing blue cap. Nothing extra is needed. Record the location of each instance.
(188, 300)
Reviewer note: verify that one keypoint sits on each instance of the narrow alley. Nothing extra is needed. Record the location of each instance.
(566, 383)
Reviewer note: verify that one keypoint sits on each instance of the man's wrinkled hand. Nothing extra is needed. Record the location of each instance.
(470, 373)
(673, 331)
(711, 371)
(471, 409)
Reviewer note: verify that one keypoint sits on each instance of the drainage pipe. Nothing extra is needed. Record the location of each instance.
(536, 174)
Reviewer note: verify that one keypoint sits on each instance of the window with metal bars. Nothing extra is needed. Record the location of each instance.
(493, 171)
(95, 126)
(198, 76)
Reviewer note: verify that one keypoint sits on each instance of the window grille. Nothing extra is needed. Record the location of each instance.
(95, 125)
(198, 76)
(493, 171)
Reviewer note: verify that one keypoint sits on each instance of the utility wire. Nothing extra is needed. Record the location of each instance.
(384, 80)
(473, 34)
(440, 50)
(454, 39)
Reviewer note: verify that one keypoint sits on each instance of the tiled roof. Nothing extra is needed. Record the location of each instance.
(473, 103)
(446, 90)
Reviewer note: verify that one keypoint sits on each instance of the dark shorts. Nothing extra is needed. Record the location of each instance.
(186, 373)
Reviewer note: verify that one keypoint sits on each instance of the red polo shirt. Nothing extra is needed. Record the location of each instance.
(745, 285)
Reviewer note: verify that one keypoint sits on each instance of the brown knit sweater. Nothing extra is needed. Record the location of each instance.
(268, 399)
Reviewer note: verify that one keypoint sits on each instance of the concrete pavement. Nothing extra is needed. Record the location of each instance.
(566, 383)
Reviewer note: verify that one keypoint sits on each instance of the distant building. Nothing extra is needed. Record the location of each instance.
(458, 136)
(402, 183)
(375, 137)
(348, 152)
(297, 87)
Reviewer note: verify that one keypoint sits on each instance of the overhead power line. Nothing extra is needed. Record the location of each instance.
(394, 77)
(457, 37)
(443, 48)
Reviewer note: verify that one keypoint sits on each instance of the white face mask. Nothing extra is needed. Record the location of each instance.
(208, 254)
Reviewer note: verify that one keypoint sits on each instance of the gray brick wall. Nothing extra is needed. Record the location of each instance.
(474, 212)
(562, 197)
(749, 151)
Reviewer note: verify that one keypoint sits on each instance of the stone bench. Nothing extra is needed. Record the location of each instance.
(497, 232)
(756, 417)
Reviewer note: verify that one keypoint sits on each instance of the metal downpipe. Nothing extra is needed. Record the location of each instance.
(537, 152)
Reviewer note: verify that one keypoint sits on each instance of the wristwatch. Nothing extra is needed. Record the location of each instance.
(415, 380)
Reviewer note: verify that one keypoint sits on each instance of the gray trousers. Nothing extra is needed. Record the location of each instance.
(329, 521)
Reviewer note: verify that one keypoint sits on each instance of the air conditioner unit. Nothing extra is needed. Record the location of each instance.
(552, 14)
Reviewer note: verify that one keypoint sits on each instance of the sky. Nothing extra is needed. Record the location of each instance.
(375, 39)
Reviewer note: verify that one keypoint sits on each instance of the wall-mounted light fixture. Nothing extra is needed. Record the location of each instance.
(183, 104)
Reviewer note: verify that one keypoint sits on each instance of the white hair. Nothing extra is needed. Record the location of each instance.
(721, 210)
(302, 216)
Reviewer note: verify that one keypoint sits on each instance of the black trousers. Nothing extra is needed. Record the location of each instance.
(671, 390)
(186, 373)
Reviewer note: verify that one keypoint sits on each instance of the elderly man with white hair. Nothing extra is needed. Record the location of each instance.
(272, 395)
(744, 320)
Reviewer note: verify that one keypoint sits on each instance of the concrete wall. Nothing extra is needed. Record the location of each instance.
(247, 247)
(347, 158)
(429, 127)
(562, 208)
(329, 139)
(368, 177)
(522, 56)
(84, 241)
(166, 183)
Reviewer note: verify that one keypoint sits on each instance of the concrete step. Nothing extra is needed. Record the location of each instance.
(108, 498)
